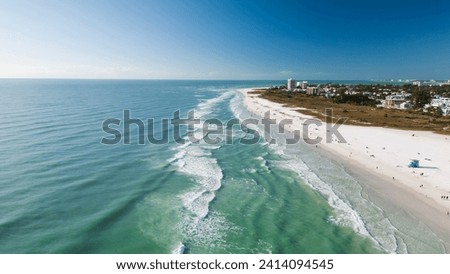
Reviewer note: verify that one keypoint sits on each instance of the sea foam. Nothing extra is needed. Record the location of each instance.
(345, 214)
(200, 225)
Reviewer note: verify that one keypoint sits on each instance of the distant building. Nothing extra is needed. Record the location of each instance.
(440, 102)
(397, 101)
(406, 105)
(436, 102)
(312, 90)
(290, 84)
(416, 83)
(304, 84)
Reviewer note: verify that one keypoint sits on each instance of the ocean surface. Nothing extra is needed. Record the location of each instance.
(63, 191)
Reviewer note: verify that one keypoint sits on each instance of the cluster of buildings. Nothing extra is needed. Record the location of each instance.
(386, 98)
(302, 86)
(293, 85)
(402, 101)
(419, 83)
(397, 101)
(443, 103)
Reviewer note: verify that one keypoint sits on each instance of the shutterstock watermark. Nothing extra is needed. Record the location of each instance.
(214, 131)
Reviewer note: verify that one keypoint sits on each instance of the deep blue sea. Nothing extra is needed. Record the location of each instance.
(63, 191)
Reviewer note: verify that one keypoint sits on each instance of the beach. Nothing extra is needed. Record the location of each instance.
(378, 158)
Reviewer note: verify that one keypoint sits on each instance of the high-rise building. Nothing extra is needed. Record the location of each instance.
(304, 84)
(290, 84)
(312, 90)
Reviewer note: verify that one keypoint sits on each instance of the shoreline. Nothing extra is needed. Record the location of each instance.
(378, 157)
(398, 198)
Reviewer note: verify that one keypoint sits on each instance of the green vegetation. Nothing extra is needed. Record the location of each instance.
(355, 99)
(420, 98)
(358, 113)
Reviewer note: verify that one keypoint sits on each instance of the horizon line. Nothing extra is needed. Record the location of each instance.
(193, 79)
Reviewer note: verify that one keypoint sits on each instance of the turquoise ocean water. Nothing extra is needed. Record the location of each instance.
(63, 191)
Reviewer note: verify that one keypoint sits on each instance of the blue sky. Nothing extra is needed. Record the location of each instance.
(218, 39)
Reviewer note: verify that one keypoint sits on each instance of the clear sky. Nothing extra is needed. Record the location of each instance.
(218, 39)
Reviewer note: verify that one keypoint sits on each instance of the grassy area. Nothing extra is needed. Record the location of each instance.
(359, 115)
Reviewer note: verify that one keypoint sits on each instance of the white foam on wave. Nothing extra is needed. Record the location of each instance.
(200, 225)
(236, 106)
(205, 107)
(264, 164)
(203, 168)
(345, 214)
(179, 155)
(197, 202)
(249, 170)
(179, 249)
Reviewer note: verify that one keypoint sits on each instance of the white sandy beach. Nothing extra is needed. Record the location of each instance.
(384, 154)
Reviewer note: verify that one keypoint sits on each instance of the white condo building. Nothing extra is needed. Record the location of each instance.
(304, 84)
(290, 84)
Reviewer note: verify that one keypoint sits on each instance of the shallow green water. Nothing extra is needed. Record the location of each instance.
(62, 191)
